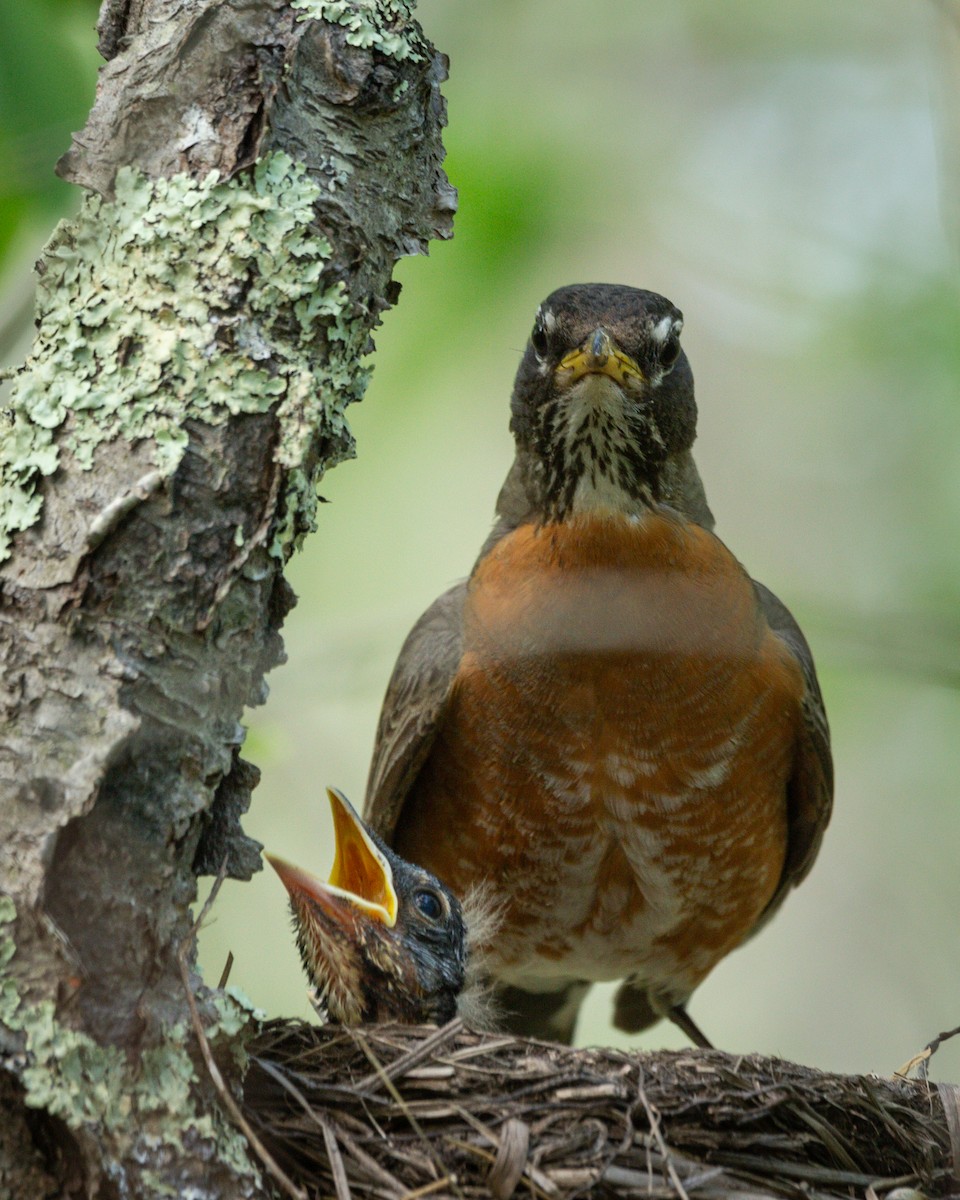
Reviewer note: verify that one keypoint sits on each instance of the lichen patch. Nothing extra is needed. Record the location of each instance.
(383, 25)
(183, 299)
(70, 1075)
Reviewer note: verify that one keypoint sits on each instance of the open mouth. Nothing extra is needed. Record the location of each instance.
(361, 877)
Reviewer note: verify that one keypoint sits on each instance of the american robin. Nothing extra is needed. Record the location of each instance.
(383, 940)
(610, 720)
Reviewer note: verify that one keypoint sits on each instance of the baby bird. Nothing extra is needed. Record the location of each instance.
(383, 940)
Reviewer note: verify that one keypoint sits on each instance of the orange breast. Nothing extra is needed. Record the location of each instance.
(615, 754)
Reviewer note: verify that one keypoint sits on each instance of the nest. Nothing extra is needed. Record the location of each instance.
(390, 1111)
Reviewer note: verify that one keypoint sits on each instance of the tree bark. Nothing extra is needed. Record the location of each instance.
(253, 172)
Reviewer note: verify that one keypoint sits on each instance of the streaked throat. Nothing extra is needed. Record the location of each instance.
(599, 448)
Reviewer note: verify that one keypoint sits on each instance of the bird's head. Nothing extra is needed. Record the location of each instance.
(603, 399)
(383, 939)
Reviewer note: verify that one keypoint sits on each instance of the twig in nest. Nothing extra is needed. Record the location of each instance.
(225, 973)
(429, 1188)
(388, 1083)
(282, 1179)
(338, 1170)
(919, 1061)
(413, 1057)
(540, 1184)
(369, 1164)
(653, 1116)
(535, 1183)
(950, 1099)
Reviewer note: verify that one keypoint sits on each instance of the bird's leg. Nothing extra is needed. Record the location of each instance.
(682, 1019)
(551, 1016)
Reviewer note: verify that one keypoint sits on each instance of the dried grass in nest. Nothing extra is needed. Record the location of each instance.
(390, 1111)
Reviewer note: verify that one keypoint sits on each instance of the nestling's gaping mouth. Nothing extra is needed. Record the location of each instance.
(361, 875)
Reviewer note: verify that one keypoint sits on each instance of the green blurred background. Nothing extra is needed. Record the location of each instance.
(787, 175)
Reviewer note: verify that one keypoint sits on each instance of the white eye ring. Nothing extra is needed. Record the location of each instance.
(665, 328)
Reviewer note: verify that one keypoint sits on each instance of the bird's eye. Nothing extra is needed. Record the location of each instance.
(669, 353)
(428, 904)
(538, 339)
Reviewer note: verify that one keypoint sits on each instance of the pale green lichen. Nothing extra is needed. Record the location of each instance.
(74, 1078)
(384, 25)
(70, 1075)
(170, 1071)
(146, 1105)
(235, 1013)
(182, 299)
(235, 1010)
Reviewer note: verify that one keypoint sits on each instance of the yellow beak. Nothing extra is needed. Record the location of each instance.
(361, 874)
(597, 355)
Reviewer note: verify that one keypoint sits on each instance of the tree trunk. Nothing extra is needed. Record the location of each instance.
(254, 170)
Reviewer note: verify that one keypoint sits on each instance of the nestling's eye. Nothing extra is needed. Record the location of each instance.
(538, 339)
(428, 904)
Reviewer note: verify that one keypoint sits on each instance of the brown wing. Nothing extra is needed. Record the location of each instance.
(416, 698)
(810, 790)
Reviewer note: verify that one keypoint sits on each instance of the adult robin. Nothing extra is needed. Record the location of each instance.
(383, 940)
(610, 720)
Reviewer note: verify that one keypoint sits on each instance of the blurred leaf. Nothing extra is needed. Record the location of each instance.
(48, 64)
